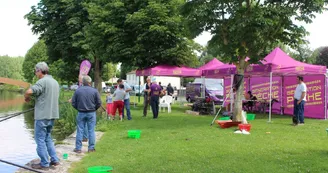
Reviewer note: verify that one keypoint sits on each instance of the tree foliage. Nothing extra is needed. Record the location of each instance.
(250, 28)
(58, 69)
(109, 71)
(61, 25)
(11, 67)
(322, 58)
(304, 54)
(208, 53)
(37, 53)
(142, 33)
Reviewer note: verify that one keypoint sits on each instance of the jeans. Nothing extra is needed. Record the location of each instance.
(127, 107)
(85, 131)
(83, 118)
(45, 146)
(299, 110)
(154, 103)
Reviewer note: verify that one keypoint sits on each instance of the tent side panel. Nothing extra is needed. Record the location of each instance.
(315, 96)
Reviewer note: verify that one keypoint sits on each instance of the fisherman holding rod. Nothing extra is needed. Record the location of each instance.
(46, 92)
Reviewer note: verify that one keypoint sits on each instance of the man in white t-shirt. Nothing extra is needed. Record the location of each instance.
(299, 101)
(127, 89)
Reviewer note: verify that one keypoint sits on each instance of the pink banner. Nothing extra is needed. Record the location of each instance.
(84, 70)
(315, 96)
(85, 67)
(260, 87)
(227, 87)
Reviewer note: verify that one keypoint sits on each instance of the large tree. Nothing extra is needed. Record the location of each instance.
(250, 28)
(142, 33)
(63, 26)
(139, 33)
(322, 58)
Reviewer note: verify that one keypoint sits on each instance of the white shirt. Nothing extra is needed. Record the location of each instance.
(299, 90)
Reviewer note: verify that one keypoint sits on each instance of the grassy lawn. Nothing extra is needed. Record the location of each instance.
(178, 142)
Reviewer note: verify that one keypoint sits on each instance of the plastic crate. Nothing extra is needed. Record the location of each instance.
(224, 118)
(246, 127)
(250, 117)
(135, 134)
(100, 169)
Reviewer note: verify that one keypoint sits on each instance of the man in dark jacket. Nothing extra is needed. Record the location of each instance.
(86, 100)
(169, 89)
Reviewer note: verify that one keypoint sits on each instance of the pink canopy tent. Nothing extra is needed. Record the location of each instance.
(167, 70)
(214, 63)
(283, 65)
(277, 63)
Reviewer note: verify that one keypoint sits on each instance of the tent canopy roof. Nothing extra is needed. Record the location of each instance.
(214, 63)
(168, 70)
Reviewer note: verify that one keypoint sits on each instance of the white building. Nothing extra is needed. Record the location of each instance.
(132, 79)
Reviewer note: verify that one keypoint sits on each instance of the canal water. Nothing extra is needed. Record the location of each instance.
(16, 134)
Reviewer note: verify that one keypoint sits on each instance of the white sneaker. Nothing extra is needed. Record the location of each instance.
(238, 132)
(245, 132)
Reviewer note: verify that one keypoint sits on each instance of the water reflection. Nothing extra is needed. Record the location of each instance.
(17, 144)
(16, 134)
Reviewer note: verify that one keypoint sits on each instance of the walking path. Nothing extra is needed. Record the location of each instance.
(67, 146)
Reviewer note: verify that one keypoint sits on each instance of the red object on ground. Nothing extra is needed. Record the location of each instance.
(227, 124)
(246, 127)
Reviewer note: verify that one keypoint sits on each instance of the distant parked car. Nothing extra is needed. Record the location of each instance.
(74, 87)
(215, 92)
(107, 89)
(136, 90)
(64, 87)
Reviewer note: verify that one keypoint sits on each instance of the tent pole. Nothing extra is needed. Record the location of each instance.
(203, 88)
(270, 97)
(281, 94)
(139, 90)
(231, 95)
(325, 97)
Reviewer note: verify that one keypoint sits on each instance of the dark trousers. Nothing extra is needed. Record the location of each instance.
(146, 103)
(154, 103)
(299, 111)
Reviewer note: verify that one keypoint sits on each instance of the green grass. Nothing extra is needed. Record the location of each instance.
(178, 142)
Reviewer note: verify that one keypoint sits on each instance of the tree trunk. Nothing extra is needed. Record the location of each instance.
(241, 66)
(97, 79)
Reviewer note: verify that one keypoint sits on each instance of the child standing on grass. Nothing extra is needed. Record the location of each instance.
(109, 104)
(119, 95)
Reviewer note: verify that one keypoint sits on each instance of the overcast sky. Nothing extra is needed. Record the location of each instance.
(16, 36)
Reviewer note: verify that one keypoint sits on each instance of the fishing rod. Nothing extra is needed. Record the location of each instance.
(8, 116)
(16, 114)
(20, 166)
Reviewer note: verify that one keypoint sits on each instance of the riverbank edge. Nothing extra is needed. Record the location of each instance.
(66, 146)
